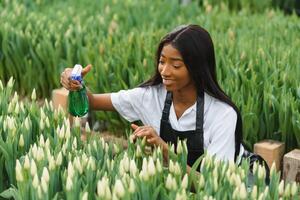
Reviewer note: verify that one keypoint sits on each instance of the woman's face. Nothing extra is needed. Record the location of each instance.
(172, 69)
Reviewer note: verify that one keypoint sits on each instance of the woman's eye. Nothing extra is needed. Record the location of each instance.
(161, 62)
(176, 66)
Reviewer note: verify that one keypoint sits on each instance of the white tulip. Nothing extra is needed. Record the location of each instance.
(26, 163)
(33, 168)
(144, 175)
(131, 186)
(151, 167)
(100, 189)
(78, 165)
(254, 192)
(47, 122)
(35, 182)
(179, 147)
(19, 174)
(171, 166)
(45, 175)
(44, 185)
(69, 184)
(1, 85)
(287, 191)
(273, 169)
(116, 149)
(243, 191)
(177, 169)
(158, 166)
(40, 154)
(77, 122)
(74, 145)
(71, 171)
(85, 196)
(185, 182)
(87, 127)
(58, 161)
(216, 184)
(33, 95)
(21, 141)
(281, 188)
(42, 124)
(52, 164)
(10, 82)
(138, 151)
(133, 168)
(201, 181)
(27, 123)
(119, 188)
(145, 164)
(169, 182)
(17, 109)
(261, 172)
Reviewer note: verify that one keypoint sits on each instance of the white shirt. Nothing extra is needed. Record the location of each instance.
(146, 104)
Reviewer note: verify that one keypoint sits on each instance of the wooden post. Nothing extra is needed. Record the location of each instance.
(271, 151)
(291, 166)
(60, 97)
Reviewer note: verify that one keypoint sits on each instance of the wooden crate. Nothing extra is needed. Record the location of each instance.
(271, 151)
(60, 97)
(291, 166)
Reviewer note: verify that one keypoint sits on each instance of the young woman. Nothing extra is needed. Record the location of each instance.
(182, 100)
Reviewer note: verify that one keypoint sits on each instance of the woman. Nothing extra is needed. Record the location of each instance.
(183, 99)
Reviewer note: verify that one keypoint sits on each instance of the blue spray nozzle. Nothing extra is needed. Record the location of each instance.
(76, 73)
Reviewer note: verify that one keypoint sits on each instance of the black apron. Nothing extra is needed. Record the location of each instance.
(194, 137)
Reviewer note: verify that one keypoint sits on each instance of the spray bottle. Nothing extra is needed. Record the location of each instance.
(78, 100)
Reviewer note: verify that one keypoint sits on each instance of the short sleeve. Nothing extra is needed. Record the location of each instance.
(127, 103)
(222, 143)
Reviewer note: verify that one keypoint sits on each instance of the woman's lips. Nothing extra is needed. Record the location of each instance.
(167, 81)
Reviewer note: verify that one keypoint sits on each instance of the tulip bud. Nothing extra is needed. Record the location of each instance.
(33, 95)
(19, 175)
(87, 127)
(77, 122)
(78, 165)
(69, 183)
(287, 190)
(201, 181)
(40, 154)
(261, 172)
(144, 175)
(243, 192)
(27, 124)
(1, 86)
(51, 163)
(254, 192)
(59, 159)
(171, 166)
(215, 184)
(100, 189)
(138, 151)
(42, 124)
(35, 182)
(185, 182)
(26, 163)
(169, 182)
(10, 82)
(281, 188)
(133, 168)
(33, 168)
(74, 145)
(273, 169)
(119, 188)
(151, 167)
(177, 169)
(44, 184)
(17, 108)
(47, 122)
(116, 149)
(131, 186)
(71, 171)
(45, 174)
(85, 196)
(21, 141)
(179, 147)
(158, 166)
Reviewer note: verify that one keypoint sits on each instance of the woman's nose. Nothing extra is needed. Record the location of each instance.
(165, 70)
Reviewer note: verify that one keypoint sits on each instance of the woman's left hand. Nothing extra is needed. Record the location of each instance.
(148, 132)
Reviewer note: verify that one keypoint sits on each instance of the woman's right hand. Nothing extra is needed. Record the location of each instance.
(68, 83)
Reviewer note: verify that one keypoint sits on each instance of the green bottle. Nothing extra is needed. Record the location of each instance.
(78, 100)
